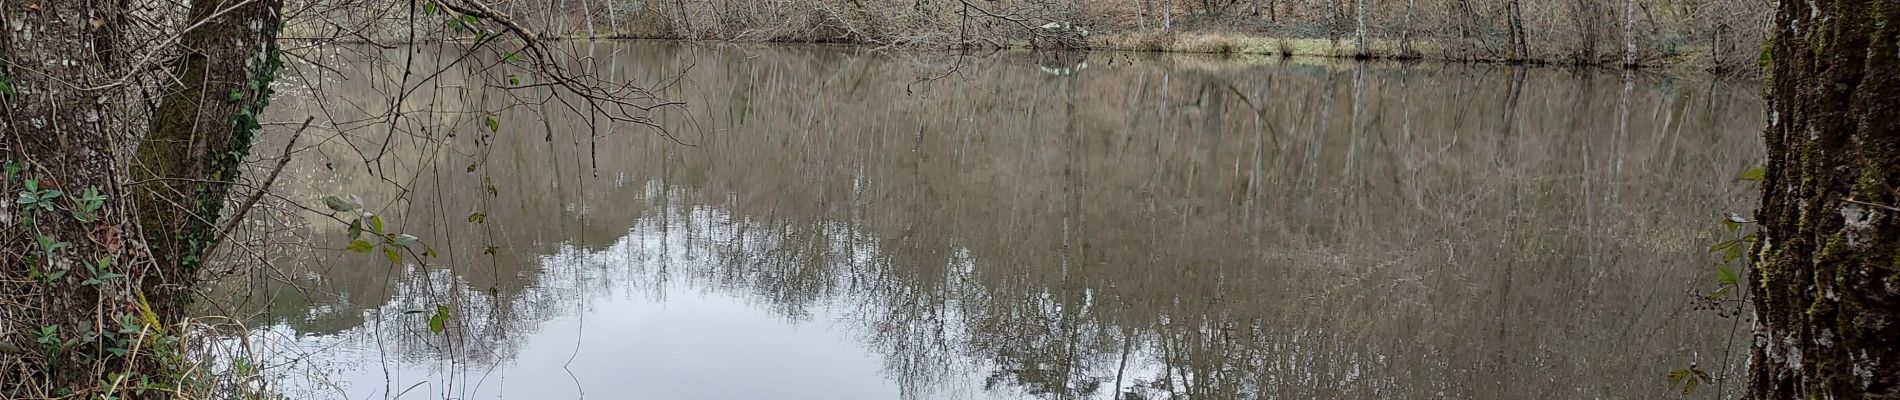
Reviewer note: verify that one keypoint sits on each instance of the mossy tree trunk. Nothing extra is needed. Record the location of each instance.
(95, 269)
(200, 134)
(1826, 296)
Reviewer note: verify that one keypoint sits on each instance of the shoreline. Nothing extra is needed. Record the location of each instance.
(1247, 45)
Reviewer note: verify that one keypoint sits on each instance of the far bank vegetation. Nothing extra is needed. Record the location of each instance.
(1721, 36)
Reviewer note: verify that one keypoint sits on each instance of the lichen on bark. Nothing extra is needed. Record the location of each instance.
(1826, 301)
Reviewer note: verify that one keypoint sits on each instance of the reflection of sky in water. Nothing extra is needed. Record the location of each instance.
(679, 340)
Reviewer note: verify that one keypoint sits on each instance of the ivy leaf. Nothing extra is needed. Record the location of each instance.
(439, 321)
(492, 123)
(390, 253)
(360, 246)
(337, 203)
(477, 217)
(428, 8)
(514, 80)
(1754, 174)
(356, 228)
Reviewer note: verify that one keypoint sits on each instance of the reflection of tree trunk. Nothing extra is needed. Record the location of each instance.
(1506, 278)
(1828, 311)
(1121, 367)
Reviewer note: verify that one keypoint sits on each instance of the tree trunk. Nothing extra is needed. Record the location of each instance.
(1826, 304)
(1629, 33)
(56, 142)
(1167, 16)
(200, 134)
(1332, 21)
(1520, 48)
(1359, 33)
(80, 261)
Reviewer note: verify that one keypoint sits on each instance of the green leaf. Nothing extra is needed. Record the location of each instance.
(392, 255)
(510, 57)
(439, 321)
(489, 250)
(513, 80)
(360, 246)
(492, 123)
(376, 224)
(1754, 174)
(404, 240)
(356, 228)
(428, 8)
(1675, 377)
(1726, 275)
(337, 203)
(477, 217)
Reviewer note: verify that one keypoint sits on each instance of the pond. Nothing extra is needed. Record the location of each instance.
(843, 223)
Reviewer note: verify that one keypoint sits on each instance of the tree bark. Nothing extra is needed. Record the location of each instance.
(1629, 33)
(1359, 33)
(1826, 304)
(96, 254)
(1520, 48)
(200, 134)
(56, 142)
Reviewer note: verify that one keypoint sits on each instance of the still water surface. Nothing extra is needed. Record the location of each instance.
(1158, 226)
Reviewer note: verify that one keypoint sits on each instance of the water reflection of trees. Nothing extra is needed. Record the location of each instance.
(1159, 226)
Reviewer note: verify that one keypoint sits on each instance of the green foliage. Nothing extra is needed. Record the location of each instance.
(50, 245)
(32, 197)
(48, 337)
(439, 321)
(493, 124)
(477, 218)
(101, 273)
(392, 244)
(89, 203)
(1754, 174)
(1689, 379)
